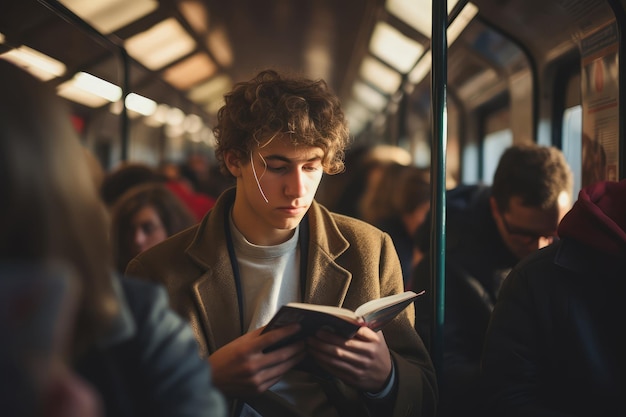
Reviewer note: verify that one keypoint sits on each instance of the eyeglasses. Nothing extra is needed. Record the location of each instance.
(523, 235)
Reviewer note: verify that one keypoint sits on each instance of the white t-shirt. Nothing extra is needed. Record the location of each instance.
(270, 277)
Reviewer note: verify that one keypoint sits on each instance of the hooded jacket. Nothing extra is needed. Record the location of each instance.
(555, 343)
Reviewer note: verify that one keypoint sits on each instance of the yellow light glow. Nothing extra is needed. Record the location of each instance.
(391, 46)
(160, 45)
(89, 90)
(38, 64)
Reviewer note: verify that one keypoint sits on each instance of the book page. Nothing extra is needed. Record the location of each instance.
(380, 303)
(336, 311)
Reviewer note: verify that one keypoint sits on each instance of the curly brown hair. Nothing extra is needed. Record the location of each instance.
(271, 105)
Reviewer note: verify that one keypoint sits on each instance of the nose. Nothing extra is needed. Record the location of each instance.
(139, 240)
(544, 241)
(538, 243)
(296, 185)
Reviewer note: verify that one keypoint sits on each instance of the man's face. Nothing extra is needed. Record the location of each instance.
(525, 229)
(275, 188)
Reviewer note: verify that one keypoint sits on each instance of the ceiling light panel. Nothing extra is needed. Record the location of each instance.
(38, 64)
(160, 45)
(422, 69)
(416, 13)
(461, 21)
(369, 97)
(140, 104)
(109, 15)
(218, 43)
(191, 71)
(391, 46)
(89, 90)
(379, 75)
(212, 90)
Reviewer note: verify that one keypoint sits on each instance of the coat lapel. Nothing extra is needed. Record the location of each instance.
(214, 292)
(327, 281)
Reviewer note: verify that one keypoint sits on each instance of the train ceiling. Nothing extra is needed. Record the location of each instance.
(184, 54)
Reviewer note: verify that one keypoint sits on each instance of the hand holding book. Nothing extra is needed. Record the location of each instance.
(344, 322)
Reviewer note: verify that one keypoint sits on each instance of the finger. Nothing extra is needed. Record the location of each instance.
(285, 357)
(351, 353)
(330, 337)
(276, 335)
(329, 343)
(272, 374)
(340, 369)
(365, 333)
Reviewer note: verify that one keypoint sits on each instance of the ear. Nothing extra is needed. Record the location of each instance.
(233, 163)
(494, 207)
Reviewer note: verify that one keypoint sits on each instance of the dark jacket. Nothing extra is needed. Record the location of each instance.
(149, 364)
(476, 262)
(404, 244)
(349, 262)
(555, 344)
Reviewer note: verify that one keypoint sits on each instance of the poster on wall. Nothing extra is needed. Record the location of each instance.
(600, 105)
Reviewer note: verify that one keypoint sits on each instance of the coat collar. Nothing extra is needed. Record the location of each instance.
(215, 291)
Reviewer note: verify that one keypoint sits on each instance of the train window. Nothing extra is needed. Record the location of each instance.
(498, 137)
(572, 142)
(470, 163)
(571, 127)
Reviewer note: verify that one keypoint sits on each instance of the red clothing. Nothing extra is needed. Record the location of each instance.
(197, 203)
(598, 217)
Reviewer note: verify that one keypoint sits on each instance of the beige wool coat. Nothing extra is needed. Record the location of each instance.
(349, 262)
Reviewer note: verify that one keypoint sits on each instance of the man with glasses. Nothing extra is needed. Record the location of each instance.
(488, 230)
(555, 343)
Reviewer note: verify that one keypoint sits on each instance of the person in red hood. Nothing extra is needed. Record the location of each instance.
(555, 344)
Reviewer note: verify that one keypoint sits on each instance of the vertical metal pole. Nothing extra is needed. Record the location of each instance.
(124, 122)
(439, 75)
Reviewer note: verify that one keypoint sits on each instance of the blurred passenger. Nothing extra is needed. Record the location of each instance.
(125, 349)
(143, 216)
(267, 243)
(218, 181)
(198, 203)
(555, 344)
(130, 174)
(488, 230)
(125, 176)
(380, 204)
(400, 206)
(376, 161)
(97, 171)
(369, 165)
(196, 169)
(340, 192)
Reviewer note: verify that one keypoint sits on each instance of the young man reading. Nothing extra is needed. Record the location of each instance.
(266, 243)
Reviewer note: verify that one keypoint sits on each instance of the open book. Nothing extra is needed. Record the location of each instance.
(342, 321)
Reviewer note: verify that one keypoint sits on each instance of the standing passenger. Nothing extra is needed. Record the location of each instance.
(267, 243)
(143, 216)
(555, 344)
(125, 346)
(488, 230)
(400, 206)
